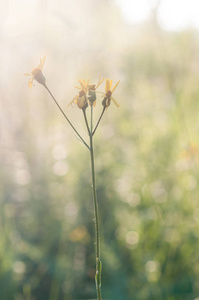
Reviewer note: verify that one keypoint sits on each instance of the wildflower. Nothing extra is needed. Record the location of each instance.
(108, 94)
(37, 74)
(92, 92)
(81, 100)
(83, 84)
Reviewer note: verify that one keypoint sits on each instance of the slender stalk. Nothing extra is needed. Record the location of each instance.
(91, 119)
(66, 117)
(85, 118)
(99, 120)
(96, 214)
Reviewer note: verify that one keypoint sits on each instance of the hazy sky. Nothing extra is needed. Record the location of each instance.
(172, 14)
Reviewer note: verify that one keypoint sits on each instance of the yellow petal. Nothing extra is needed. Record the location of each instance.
(77, 87)
(30, 83)
(70, 103)
(107, 85)
(82, 85)
(28, 74)
(115, 86)
(40, 66)
(73, 101)
(115, 102)
(99, 82)
(110, 84)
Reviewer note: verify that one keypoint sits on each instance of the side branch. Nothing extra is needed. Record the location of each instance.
(99, 120)
(66, 117)
(86, 121)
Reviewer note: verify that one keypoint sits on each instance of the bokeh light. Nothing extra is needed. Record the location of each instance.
(146, 151)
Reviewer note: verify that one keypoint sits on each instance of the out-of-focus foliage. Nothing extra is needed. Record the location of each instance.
(147, 158)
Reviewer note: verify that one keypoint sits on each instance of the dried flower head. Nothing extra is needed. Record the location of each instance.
(108, 94)
(37, 74)
(81, 100)
(92, 91)
(83, 85)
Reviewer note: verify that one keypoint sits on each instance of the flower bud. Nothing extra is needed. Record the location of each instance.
(91, 96)
(106, 102)
(38, 76)
(82, 101)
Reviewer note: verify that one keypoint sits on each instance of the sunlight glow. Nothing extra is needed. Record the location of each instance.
(172, 14)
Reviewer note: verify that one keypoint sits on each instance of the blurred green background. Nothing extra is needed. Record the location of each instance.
(147, 156)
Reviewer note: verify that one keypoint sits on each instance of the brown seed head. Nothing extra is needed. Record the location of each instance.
(82, 93)
(92, 87)
(38, 75)
(108, 94)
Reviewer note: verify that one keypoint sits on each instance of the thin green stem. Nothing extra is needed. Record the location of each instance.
(99, 120)
(96, 214)
(66, 117)
(91, 119)
(86, 121)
